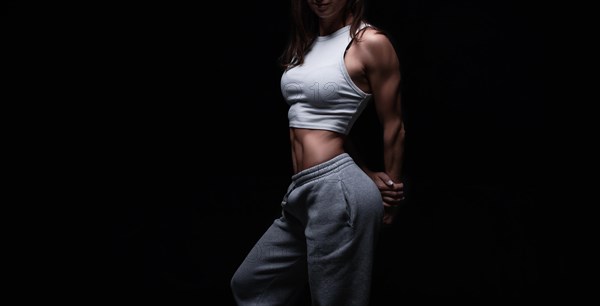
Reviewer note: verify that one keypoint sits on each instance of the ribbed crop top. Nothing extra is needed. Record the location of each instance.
(320, 92)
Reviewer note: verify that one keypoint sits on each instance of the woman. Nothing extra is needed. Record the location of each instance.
(335, 63)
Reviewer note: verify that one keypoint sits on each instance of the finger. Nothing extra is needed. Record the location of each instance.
(397, 186)
(385, 179)
(392, 201)
(394, 184)
(382, 186)
(395, 199)
(392, 194)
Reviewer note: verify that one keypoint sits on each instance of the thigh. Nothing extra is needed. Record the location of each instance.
(343, 226)
(274, 271)
(280, 245)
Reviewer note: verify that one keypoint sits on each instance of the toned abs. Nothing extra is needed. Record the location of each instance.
(311, 147)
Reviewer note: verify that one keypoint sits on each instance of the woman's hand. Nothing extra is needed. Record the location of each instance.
(392, 193)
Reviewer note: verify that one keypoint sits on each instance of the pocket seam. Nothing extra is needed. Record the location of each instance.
(347, 200)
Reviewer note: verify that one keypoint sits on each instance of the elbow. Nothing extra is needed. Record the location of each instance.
(398, 127)
(401, 130)
(401, 134)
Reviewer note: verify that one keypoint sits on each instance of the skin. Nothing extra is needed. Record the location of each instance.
(373, 66)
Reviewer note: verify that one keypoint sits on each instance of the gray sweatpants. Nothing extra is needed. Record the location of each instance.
(331, 217)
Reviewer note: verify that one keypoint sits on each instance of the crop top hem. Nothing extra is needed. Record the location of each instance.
(320, 126)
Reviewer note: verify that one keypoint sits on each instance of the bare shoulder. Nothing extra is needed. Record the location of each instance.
(375, 47)
(375, 39)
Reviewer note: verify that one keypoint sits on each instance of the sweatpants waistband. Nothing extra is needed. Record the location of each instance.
(324, 168)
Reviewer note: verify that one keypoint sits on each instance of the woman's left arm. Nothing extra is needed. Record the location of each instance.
(382, 68)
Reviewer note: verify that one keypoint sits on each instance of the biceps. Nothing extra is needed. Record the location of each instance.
(387, 98)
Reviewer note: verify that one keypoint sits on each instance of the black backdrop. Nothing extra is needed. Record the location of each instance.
(204, 145)
(198, 155)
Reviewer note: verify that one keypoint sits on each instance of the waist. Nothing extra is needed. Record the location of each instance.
(321, 169)
(311, 147)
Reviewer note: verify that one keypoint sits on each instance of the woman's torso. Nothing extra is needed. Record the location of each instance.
(312, 146)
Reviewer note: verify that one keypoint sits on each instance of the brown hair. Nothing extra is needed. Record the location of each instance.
(305, 28)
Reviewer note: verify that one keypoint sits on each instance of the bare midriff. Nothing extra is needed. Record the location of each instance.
(311, 147)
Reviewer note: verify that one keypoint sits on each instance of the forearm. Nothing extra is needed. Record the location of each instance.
(393, 149)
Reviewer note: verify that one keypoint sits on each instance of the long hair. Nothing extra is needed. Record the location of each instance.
(305, 28)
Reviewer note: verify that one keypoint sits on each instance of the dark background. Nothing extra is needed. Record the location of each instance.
(197, 155)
